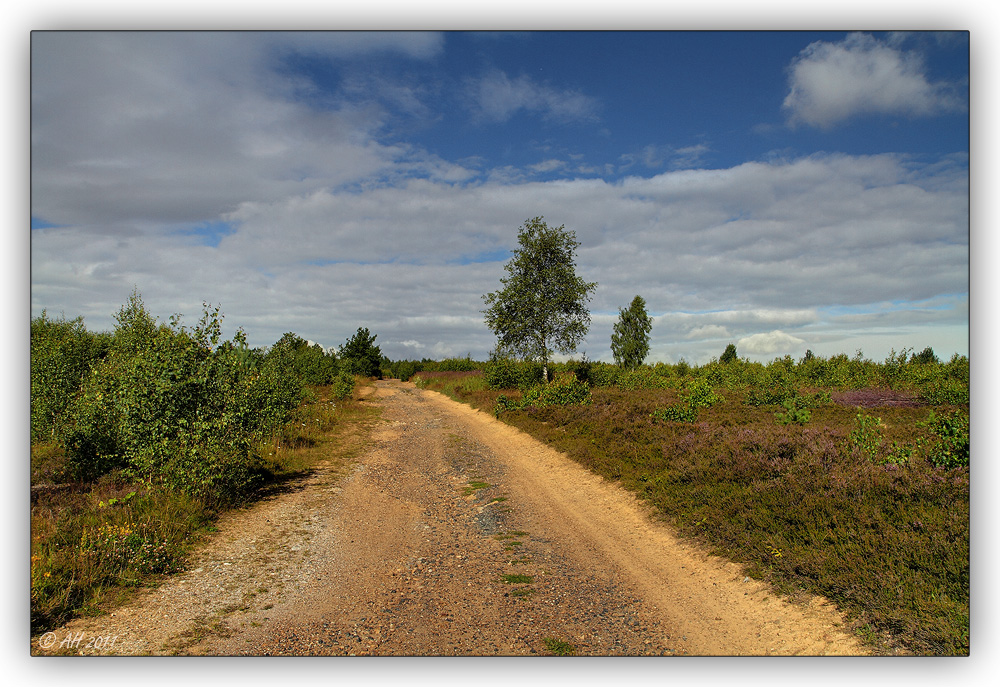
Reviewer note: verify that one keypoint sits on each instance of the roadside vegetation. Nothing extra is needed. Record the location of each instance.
(142, 436)
(837, 476)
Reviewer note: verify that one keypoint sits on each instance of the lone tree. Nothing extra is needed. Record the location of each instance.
(630, 338)
(542, 305)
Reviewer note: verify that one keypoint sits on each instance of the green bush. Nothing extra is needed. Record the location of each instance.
(506, 373)
(172, 407)
(564, 390)
(62, 354)
(642, 377)
(867, 436)
(700, 394)
(949, 446)
(945, 391)
(795, 411)
(678, 412)
(311, 364)
(604, 375)
(343, 386)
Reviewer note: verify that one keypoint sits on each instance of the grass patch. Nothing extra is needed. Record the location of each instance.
(558, 647)
(475, 486)
(517, 579)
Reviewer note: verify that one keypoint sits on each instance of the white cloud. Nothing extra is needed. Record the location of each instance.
(496, 97)
(769, 343)
(550, 165)
(780, 246)
(709, 331)
(832, 82)
(108, 147)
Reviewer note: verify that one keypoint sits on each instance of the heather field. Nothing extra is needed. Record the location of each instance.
(840, 477)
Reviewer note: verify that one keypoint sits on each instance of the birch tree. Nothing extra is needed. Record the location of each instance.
(542, 307)
(630, 338)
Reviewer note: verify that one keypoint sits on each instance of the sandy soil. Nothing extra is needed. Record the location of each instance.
(455, 534)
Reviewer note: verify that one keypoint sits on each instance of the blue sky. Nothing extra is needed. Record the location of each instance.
(783, 191)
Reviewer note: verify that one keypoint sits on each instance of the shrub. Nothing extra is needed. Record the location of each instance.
(172, 407)
(604, 375)
(698, 393)
(679, 412)
(62, 354)
(343, 386)
(642, 377)
(564, 390)
(502, 373)
(795, 411)
(701, 395)
(949, 446)
(506, 373)
(945, 392)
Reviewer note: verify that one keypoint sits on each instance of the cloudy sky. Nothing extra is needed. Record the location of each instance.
(782, 191)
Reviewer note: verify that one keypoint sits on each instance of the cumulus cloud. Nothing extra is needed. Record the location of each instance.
(778, 244)
(496, 97)
(180, 127)
(832, 82)
(769, 343)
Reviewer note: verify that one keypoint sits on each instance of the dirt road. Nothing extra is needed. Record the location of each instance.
(458, 535)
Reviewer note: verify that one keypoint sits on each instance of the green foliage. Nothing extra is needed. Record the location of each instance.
(403, 369)
(542, 305)
(642, 378)
(559, 647)
(938, 392)
(171, 406)
(630, 337)
(729, 355)
(564, 390)
(796, 411)
(343, 386)
(949, 445)
(604, 375)
(678, 412)
(311, 364)
(361, 356)
(867, 436)
(698, 393)
(503, 372)
(62, 354)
